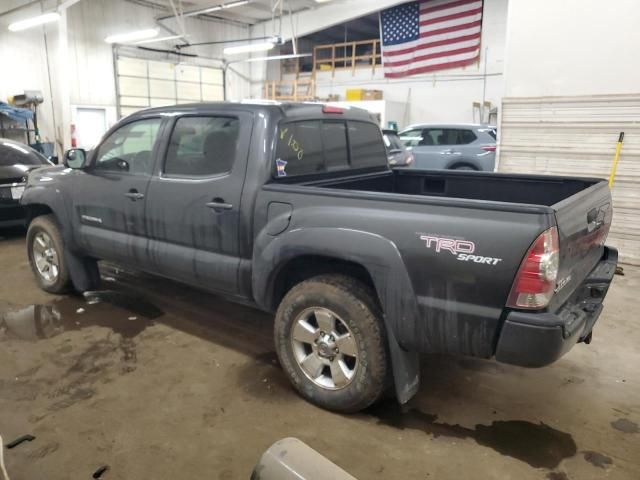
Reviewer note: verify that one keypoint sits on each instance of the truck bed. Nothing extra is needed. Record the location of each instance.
(579, 207)
(524, 189)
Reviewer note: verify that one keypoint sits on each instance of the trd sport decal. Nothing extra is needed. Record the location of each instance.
(463, 250)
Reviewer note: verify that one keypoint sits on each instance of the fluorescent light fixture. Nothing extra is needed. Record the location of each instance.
(250, 47)
(215, 8)
(235, 4)
(276, 57)
(160, 39)
(132, 36)
(34, 22)
(322, 1)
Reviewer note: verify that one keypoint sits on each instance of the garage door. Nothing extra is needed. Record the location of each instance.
(152, 83)
(577, 136)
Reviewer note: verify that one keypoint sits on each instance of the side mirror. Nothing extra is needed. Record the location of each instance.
(75, 158)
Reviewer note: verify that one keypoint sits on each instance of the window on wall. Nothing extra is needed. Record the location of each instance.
(152, 83)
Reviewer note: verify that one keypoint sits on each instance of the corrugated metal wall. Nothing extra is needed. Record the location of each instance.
(577, 136)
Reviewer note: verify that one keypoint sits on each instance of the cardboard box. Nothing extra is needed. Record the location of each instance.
(354, 94)
(372, 95)
(359, 94)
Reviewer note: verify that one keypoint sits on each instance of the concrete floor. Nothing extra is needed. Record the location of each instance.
(162, 381)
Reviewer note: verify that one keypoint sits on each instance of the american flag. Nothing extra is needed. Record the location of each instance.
(420, 37)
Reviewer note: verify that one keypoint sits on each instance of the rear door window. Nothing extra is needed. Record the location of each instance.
(202, 146)
(434, 136)
(465, 137)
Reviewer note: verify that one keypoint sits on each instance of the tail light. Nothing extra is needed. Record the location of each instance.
(536, 278)
(332, 109)
(489, 148)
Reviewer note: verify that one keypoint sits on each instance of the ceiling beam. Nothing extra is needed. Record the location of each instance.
(324, 16)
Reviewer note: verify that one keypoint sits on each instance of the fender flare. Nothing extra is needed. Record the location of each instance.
(52, 198)
(83, 271)
(378, 255)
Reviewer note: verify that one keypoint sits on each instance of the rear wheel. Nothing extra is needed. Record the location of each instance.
(332, 344)
(46, 254)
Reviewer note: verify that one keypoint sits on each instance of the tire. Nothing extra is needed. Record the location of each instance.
(358, 374)
(463, 166)
(45, 249)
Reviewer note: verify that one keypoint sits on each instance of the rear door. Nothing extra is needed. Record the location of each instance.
(193, 204)
(423, 146)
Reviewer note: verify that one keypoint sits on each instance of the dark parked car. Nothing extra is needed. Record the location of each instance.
(16, 161)
(398, 154)
(294, 209)
(452, 147)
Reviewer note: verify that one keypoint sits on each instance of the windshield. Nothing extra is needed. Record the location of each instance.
(13, 153)
(392, 141)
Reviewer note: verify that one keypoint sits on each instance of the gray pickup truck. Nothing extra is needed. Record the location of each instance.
(292, 208)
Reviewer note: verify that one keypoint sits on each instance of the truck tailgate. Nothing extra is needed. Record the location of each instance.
(583, 224)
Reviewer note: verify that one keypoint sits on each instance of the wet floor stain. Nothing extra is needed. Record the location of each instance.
(539, 445)
(557, 476)
(262, 377)
(88, 361)
(124, 314)
(597, 459)
(625, 425)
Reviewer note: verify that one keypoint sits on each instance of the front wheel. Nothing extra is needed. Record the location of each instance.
(46, 255)
(331, 342)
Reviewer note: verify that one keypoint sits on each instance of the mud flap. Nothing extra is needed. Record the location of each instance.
(406, 369)
(83, 271)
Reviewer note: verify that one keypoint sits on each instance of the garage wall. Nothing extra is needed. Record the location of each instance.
(83, 72)
(446, 96)
(90, 21)
(561, 115)
(23, 58)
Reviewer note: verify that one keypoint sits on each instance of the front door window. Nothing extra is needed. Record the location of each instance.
(128, 149)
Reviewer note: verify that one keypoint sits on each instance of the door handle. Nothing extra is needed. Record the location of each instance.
(218, 205)
(134, 195)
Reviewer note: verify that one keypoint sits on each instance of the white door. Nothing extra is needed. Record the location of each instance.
(145, 83)
(91, 124)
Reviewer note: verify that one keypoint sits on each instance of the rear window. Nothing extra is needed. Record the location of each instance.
(392, 141)
(490, 131)
(13, 153)
(366, 148)
(317, 146)
(300, 149)
(334, 139)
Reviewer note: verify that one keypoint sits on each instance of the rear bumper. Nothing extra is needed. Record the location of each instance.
(536, 339)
